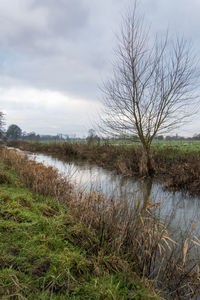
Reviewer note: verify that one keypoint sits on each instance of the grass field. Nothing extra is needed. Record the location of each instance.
(186, 146)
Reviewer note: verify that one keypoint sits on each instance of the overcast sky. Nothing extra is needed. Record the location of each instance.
(55, 53)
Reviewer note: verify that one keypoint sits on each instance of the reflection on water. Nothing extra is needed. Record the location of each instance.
(181, 211)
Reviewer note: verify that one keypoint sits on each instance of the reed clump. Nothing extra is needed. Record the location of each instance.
(40, 179)
(120, 233)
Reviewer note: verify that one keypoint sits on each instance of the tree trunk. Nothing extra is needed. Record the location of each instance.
(146, 165)
(146, 187)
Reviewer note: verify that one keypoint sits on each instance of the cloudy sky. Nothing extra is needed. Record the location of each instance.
(54, 54)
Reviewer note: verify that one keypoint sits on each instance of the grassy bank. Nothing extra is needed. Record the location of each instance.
(46, 252)
(176, 167)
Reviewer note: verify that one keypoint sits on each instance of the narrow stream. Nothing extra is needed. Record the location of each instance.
(180, 210)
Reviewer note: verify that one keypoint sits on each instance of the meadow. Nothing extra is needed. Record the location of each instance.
(184, 146)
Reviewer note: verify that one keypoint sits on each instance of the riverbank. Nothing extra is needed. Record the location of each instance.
(174, 168)
(116, 245)
(46, 252)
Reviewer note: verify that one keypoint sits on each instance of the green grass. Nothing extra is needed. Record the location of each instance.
(168, 148)
(189, 146)
(185, 146)
(46, 254)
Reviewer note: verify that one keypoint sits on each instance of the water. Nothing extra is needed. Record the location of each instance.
(180, 210)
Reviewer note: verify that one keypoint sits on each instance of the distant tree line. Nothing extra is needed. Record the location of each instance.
(14, 132)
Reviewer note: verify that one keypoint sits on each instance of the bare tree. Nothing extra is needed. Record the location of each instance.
(152, 90)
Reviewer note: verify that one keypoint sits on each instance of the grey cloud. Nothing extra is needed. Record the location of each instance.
(58, 45)
(67, 45)
(65, 18)
(38, 26)
(180, 16)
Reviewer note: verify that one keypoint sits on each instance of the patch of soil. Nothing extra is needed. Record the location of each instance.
(48, 212)
(41, 268)
(4, 178)
(13, 251)
(24, 202)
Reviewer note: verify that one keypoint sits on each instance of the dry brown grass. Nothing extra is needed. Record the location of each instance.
(37, 177)
(134, 234)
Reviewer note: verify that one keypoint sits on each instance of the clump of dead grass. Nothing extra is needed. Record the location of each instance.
(4, 178)
(40, 179)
